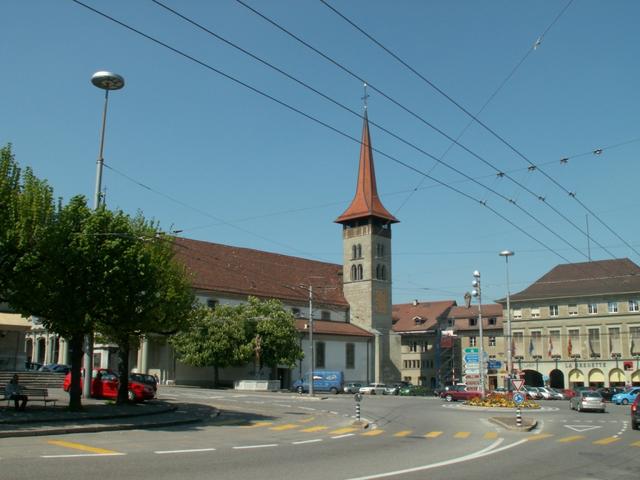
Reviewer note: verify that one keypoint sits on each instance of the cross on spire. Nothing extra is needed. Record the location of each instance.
(364, 98)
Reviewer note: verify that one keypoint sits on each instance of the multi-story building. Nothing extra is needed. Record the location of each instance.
(579, 324)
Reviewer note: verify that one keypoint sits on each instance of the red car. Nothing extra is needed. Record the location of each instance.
(104, 384)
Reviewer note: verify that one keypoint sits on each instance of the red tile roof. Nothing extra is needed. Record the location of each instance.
(244, 272)
(426, 313)
(461, 316)
(326, 327)
(366, 202)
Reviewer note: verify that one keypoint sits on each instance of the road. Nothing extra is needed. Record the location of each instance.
(273, 436)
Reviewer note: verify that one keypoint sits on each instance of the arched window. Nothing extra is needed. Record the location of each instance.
(354, 252)
(360, 274)
(354, 272)
(383, 273)
(359, 251)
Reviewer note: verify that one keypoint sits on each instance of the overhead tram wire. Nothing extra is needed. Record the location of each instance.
(481, 123)
(396, 136)
(423, 120)
(320, 122)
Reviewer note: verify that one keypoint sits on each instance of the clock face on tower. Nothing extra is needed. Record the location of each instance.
(381, 301)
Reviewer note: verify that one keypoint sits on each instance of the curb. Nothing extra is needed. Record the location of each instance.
(527, 424)
(167, 409)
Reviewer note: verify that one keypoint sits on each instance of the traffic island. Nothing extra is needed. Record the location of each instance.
(510, 423)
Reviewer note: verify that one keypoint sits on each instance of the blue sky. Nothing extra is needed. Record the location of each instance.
(202, 154)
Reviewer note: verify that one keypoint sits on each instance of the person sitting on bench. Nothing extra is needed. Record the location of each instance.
(13, 391)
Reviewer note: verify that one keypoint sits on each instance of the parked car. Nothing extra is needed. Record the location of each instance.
(104, 384)
(587, 400)
(626, 397)
(374, 389)
(568, 393)
(459, 392)
(532, 392)
(550, 393)
(414, 391)
(608, 392)
(150, 380)
(55, 367)
(635, 414)
(395, 388)
(323, 381)
(352, 387)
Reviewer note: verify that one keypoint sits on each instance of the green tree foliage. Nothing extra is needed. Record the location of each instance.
(258, 331)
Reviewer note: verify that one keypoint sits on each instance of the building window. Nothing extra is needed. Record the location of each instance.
(380, 272)
(615, 346)
(295, 312)
(573, 343)
(633, 306)
(517, 313)
(553, 310)
(379, 250)
(634, 341)
(354, 272)
(612, 307)
(473, 322)
(492, 341)
(212, 303)
(573, 309)
(592, 308)
(413, 346)
(354, 252)
(518, 343)
(360, 273)
(555, 344)
(535, 344)
(493, 321)
(425, 346)
(472, 341)
(594, 342)
(350, 355)
(319, 351)
(535, 312)
(359, 251)
(325, 315)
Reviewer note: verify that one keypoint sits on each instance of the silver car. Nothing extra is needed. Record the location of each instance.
(587, 400)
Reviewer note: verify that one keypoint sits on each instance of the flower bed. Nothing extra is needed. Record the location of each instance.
(496, 400)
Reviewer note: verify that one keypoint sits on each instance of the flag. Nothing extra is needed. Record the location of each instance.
(591, 350)
(569, 347)
(610, 343)
(550, 346)
(531, 348)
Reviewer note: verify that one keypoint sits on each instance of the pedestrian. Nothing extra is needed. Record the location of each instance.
(14, 390)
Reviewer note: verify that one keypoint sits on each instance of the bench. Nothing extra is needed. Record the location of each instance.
(34, 395)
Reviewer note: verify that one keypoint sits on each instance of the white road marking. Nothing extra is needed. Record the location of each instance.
(193, 450)
(283, 405)
(315, 440)
(84, 455)
(244, 447)
(307, 408)
(343, 436)
(582, 428)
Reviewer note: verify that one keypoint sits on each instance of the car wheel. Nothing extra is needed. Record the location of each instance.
(131, 396)
(448, 398)
(635, 426)
(334, 390)
(625, 401)
(373, 392)
(300, 390)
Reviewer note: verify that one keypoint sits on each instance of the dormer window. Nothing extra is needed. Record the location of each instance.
(418, 320)
(473, 322)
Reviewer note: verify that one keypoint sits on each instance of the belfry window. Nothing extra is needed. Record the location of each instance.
(360, 275)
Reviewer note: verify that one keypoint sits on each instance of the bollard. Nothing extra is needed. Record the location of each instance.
(518, 417)
(358, 398)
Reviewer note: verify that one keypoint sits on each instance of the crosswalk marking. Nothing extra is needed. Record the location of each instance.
(572, 438)
(373, 433)
(286, 426)
(307, 420)
(80, 446)
(606, 441)
(403, 433)
(317, 428)
(635, 444)
(539, 436)
(340, 431)
(257, 424)
(462, 435)
(490, 435)
(433, 434)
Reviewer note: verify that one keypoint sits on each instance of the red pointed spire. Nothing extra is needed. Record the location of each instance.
(366, 202)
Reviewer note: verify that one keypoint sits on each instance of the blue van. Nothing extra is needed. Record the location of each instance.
(323, 381)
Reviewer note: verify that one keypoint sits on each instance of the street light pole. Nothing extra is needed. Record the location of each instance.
(106, 81)
(506, 254)
(477, 292)
(313, 360)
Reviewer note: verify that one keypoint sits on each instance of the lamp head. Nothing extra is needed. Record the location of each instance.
(476, 274)
(506, 253)
(107, 80)
(474, 293)
(474, 284)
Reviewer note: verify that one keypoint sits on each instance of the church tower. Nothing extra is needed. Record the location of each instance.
(366, 239)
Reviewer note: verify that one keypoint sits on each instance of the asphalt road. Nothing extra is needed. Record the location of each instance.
(274, 436)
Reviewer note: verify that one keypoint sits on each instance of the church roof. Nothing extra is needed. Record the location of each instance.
(242, 271)
(366, 202)
(327, 327)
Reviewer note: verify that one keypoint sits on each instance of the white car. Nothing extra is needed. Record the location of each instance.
(374, 389)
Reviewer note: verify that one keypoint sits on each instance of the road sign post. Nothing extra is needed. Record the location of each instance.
(518, 398)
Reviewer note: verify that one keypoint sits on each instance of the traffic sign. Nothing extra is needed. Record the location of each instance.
(471, 350)
(471, 370)
(517, 384)
(518, 398)
(494, 364)
(471, 357)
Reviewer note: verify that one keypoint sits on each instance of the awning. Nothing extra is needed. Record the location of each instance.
(576, 376)
(616, 375)
(596, 375)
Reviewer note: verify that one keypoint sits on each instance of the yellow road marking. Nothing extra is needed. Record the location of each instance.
(79, 446)
(573, 438)
(317, 428)
(490, 435)
(462, 435)
(433, 434)
(286, 426)
(539, 436)
(606, 441)
(307, 420)
(373, 433)
(258, 424)
(635, 444)
(403, 433)
(340, 431)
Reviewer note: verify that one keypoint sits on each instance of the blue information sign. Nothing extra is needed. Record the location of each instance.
(518, 398)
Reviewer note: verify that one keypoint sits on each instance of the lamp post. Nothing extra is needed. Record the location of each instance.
(313, 360)
(477, 292)
(106, 81)
(506, 254)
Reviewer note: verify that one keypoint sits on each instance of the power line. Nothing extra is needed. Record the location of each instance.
(482, 124)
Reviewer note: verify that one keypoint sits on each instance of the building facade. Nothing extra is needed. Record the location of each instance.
(579, 325)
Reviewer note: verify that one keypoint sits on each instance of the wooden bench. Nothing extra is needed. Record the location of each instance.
(34, 395)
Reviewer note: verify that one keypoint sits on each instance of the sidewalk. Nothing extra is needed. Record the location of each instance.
(97, 416)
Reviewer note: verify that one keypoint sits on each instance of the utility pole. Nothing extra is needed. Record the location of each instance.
(313, 359)
(477, 292)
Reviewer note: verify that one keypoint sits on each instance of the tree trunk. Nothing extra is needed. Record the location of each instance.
(123, 372)
(75, 391)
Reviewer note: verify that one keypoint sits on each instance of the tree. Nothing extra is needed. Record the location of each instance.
(143, 290)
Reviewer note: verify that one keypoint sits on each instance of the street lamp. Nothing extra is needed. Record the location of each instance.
(477, 292)
(313, 360)
(506, 254)
(106, 81)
